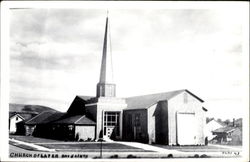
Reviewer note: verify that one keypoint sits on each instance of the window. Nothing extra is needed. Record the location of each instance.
(70, 127)
(137, 120)
(17, 118)
(112, 119)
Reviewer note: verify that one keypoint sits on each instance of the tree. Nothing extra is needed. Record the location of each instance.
(219, 120)
(227, 122)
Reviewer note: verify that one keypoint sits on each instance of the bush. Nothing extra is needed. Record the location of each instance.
(131, 156)
(196, 156)
(170, 155)
(204, 156)
(114, 156)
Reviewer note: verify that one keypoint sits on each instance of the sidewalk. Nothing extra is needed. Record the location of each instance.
(225, 146)
(181, 154)
(148, 147)
(31, 146)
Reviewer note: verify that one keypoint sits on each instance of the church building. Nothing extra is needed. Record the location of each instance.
(171, 118)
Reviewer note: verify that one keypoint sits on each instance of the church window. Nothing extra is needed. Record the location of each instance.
(112, 120)
(137, 120)
(70, 127)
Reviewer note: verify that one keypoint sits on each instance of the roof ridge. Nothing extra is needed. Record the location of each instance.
(35, 117)
(181, 90)
(79, 119)
(40, 115)
(17, 115)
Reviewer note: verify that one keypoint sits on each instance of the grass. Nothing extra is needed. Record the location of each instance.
(77, 146)
(93, 147)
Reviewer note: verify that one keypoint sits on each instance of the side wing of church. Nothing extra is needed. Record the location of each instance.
(171, 118)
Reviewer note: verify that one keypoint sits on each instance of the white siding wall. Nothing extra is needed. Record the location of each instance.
(193, 105)
(85, 132)
(151, 123)
(13, 120)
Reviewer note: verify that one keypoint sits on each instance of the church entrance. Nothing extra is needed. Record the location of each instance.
(111, 124)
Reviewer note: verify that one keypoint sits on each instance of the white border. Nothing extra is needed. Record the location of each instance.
(5, 17)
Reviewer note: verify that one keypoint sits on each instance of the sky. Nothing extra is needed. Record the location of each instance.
(55, 54)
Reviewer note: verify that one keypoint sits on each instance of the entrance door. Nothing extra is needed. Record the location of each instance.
(186, 128)
(111, 124)
(109, 131)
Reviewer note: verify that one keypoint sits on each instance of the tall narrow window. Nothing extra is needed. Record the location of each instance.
(137, 120)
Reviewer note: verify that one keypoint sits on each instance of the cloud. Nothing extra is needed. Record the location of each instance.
(58, 52)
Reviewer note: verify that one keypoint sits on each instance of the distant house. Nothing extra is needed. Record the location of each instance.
(210, 127)
(15, 118)
(228, 135)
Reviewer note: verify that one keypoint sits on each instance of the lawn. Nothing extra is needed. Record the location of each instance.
(209, 148)
(93, 147)
(77, 146)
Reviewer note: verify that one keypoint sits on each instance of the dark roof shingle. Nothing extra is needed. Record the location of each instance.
(145, 101)
(76, 119)
(45, 117)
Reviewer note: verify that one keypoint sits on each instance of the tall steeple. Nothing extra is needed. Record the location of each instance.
(106, 86)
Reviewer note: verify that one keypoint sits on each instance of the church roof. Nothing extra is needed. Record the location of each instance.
(76, 119)
(85, 98)
(145, 101)
(45, 117)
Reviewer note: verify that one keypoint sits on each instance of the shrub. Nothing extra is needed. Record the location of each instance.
(204, 156)
(131, 156)
(196, 156)
(114, 156)
(170, 155)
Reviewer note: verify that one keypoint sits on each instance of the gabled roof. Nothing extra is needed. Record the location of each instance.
(45, 117)
(23, 114)
(145, 101)
(77, 119)
(224, 130)
(85, 98)
(11, 115)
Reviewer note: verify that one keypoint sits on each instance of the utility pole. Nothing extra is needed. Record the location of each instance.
(101, 136)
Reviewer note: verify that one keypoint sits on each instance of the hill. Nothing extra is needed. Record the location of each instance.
(28, 108)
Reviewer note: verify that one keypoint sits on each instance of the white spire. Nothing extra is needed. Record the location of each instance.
(106, 75)
(106, 86)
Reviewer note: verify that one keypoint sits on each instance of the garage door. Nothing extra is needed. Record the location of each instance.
(186, 128)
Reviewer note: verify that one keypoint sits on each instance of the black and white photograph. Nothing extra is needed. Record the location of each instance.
(124, 80)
